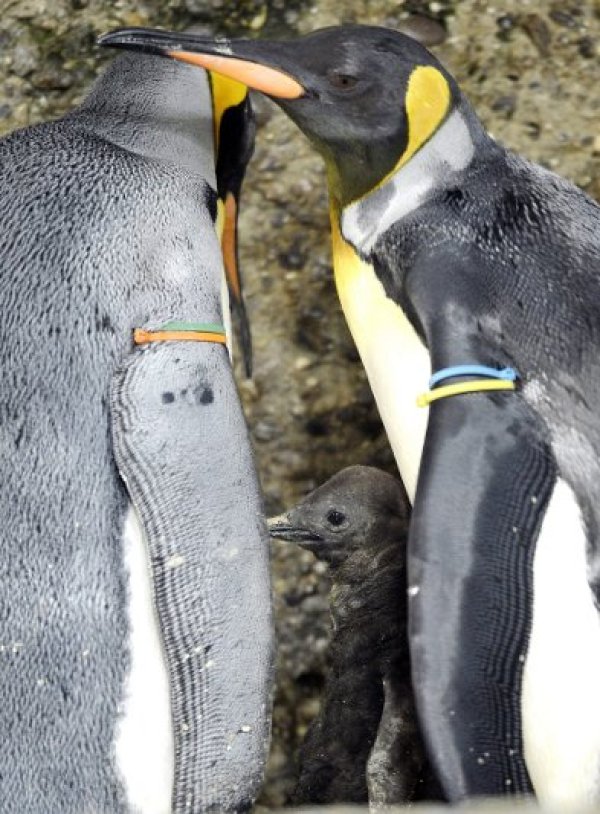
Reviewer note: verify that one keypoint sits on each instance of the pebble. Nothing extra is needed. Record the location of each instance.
(25, 59)
(533, 130)
(199, 6)
(317, 427)
(302, 362)
(587, 48)
(294, 259)
(134, 18)
(538, 31)
(506, 23)
(505, 105)
(563, 18)
(311, 322)
(423, 29)
(258, 21)
(52, 77)
(249, 390)
(266, 430)
(29, 9)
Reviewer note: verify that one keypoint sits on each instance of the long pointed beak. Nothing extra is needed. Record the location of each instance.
(229, 247)
(282, 528)
(246, 61)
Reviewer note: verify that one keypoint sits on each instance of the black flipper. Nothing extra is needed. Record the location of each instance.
(485, 481)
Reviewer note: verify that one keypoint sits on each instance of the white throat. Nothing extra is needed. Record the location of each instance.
(448, 151)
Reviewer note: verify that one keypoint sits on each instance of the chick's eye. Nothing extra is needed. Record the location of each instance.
(335, 518)
(342, 81)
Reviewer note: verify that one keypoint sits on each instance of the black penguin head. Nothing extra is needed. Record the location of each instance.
(368, 98)
(358, 509)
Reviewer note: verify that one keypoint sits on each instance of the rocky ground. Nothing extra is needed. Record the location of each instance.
(532, 70)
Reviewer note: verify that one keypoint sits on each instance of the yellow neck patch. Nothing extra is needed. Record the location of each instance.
(427, 103)
(226, 93)
(220, 219)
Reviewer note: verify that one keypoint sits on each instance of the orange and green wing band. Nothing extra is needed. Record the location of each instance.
(478, 386)
(183, 332)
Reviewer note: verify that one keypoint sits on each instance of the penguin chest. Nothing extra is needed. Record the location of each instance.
(144, 739)
(561, 681)
(397, 363)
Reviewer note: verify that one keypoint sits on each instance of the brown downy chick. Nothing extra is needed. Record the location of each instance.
(357, 522)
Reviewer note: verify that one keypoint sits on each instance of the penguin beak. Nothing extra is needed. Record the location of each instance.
(282, 528)
(229, 244)
(259, 65)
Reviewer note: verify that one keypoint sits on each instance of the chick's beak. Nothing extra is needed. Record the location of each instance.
(282, 528)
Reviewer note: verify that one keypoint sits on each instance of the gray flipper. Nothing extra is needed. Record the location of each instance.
(178, 431)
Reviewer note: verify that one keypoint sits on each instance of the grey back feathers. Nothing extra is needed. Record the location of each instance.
(159, 111)
(107, 225)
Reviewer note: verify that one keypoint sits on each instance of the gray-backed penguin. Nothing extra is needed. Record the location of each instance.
(135, 632)
(365, 742)
(458, 260)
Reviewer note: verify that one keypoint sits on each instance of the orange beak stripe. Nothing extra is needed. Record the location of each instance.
(228, 246)
(258, 77)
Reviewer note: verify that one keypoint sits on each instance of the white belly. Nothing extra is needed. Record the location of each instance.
(561, 682)
(144, 738)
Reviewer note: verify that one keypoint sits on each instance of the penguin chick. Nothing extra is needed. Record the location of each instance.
(357, 523)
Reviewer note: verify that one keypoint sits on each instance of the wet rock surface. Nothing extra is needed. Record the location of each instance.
(531, 70)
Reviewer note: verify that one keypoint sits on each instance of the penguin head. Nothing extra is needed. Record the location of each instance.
(360, 509)
(368, 98)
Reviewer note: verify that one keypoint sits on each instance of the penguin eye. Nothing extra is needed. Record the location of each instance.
(341, 81)
(335, 518)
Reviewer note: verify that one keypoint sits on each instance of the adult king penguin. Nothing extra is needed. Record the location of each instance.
(135, 649)
(456, 258)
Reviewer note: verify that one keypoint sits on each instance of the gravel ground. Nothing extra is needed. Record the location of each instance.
(531, 69)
